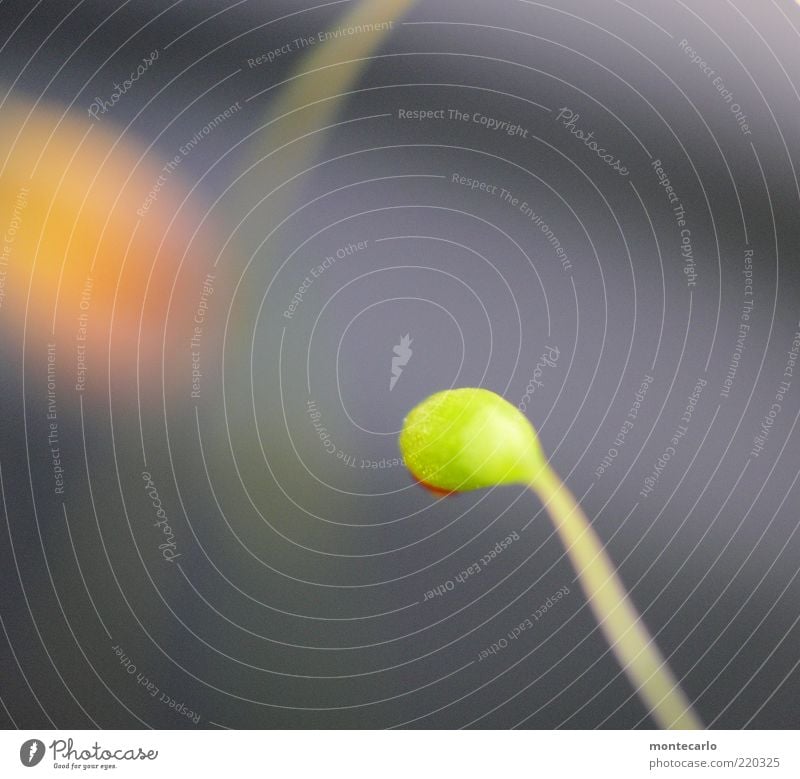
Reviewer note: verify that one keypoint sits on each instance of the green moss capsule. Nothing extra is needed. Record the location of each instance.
(468, 439)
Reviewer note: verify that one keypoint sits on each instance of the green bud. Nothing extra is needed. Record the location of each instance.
(468, 439)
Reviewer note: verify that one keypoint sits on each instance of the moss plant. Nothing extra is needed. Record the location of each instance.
(468, 439)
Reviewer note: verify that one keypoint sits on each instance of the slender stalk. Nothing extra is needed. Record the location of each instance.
(621, 624)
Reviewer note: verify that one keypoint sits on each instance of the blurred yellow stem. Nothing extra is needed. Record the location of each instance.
(310, 102)
(622, 625)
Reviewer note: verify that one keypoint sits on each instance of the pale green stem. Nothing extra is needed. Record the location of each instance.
(619, 620)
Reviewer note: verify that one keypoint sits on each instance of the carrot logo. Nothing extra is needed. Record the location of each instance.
(31, 752)
(402, 354)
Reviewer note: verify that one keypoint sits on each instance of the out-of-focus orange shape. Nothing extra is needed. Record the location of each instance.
(76, 230)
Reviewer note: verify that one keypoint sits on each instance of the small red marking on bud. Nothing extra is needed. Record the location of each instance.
(437, 491)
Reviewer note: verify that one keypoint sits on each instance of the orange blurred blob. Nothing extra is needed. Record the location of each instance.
(85, 218)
